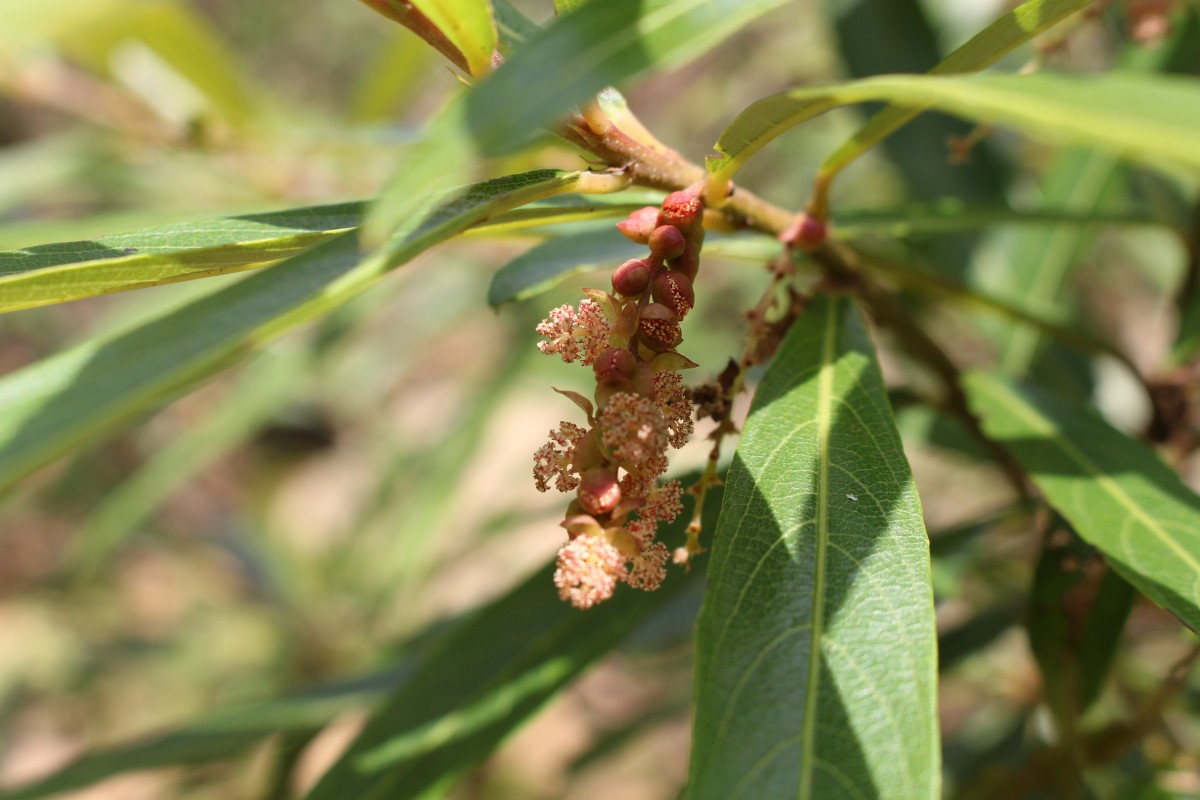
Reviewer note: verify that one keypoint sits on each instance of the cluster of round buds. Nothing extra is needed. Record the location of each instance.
(629, 338)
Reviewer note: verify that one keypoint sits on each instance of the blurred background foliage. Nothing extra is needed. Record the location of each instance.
(310, 518)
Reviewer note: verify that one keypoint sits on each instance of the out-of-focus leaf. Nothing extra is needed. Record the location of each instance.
(181, 41)
(1117, 495)
(544, 265)
(493, 672)
(391, 79)
(986, 47)
(597, 45)
(1150, 118)
(468, 24)
(975, 634)
(1079, 608)
(816, 654)
(953, 217)
(56, 273)
(266, 386)
(567, 208)
(58, 403)
(217, 737)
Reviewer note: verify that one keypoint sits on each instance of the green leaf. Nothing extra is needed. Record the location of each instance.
(554, 260)
(493, 672)
(469, 26)
(594, 46)
(986, 47)
(815, 646)
(1079, 611)
(1151, 118)
(1117, 495)
(57, 273)
(56, 404)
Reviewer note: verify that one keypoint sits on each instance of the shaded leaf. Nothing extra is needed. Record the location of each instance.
(1143, 117)
(1117, 495)
(816, 654)
(554, 260)
(494, 671)
(1001, 37)
(1079, 608)
(60, 402)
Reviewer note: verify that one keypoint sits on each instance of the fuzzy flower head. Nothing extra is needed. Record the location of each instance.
(648, 568)
(673, 401)
(572, 334)
(554, 461)
(635, 432)
(589, 567)
(663, 504)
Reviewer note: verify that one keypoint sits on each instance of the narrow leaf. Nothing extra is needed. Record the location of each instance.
(1117, 495)
(594, 46)
(816, 654)
(57, 273)
(492, 674)
(468, 24)
(60, 402)
(544, 265)
(986, 47)
(1142, 117)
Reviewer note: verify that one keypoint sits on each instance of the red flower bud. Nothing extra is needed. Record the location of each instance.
(640, 224)
(599, 491)
(684, 211)
(614, 364)
(631, 278)
(659, 327)
(675, 292)
(667, 241)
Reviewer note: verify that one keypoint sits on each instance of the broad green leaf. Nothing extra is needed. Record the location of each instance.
(989, 45)
(1117, 495)
(1150, 118)
(57, 273)
(600, 44)
(1079, 608)
(815, 647)
(60, 402)
(492, 674)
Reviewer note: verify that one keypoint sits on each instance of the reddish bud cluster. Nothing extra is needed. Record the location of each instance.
(641, 407)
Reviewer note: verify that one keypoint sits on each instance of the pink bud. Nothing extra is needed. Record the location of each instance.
(667, 241)
(631, 278)
(806, 233)
(675, 292)
(640, 224)
(659, 327)
(615, 363)
(683, 210)
(599, 491)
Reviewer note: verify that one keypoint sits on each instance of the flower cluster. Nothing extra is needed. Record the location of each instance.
(629, 339)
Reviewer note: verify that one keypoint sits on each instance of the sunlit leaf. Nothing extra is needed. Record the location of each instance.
(58, 403)
(816, 655)
(1142, 117)
(1117, 495)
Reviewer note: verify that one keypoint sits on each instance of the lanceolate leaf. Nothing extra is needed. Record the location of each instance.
(1002, 36)
(469, 25)
(1117, 495)
(62, 401)
(1144, 117)
(599, 44)
(56, 273)
(816, 654)
(493, 672)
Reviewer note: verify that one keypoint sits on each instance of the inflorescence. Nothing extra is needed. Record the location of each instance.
(629, 339)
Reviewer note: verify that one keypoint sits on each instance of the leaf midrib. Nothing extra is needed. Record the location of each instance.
(824, 410)
(1044, 427)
